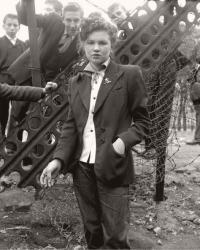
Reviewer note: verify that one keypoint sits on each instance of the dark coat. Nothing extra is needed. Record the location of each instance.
(51, 29)
(22, 93)
(121, 100)
(8, 54)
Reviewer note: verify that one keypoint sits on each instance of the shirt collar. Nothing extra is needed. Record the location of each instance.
(12, 40)
(91, 69)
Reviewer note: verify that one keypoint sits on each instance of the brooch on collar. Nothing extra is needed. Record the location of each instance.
(106, 81)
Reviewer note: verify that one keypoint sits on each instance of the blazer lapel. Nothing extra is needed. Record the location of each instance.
(85, 89)
(112, 73)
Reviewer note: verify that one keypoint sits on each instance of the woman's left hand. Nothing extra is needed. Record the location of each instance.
(119, 146)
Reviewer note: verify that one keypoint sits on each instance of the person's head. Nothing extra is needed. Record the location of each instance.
(72, 18)
(95, 14)
(52, 6)
(98, 36)
(117, 13)
(11, 25)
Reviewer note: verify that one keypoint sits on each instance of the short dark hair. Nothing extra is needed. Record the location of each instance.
(11, 16)
(98, 23)
(57, 5)
(73, 6)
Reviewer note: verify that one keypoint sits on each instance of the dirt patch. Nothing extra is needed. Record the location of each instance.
(54, 222)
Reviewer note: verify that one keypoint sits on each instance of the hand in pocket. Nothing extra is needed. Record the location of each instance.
(119, 146)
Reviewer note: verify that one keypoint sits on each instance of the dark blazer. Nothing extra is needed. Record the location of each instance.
(8, 54)
(120, 111)
(51, 29)
(22, 93)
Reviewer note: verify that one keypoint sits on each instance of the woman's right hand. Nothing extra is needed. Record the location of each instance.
(47, 178)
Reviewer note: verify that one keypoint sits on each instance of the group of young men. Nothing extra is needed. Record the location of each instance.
(58, 32)
(58, 29)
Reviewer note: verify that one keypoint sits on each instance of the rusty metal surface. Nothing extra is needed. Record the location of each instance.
(149, 42)
(155, 34)
(43, 128)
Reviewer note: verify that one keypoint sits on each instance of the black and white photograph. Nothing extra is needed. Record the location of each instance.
(99, 124)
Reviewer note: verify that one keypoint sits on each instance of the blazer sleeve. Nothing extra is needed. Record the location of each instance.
(68, 140)
(137, 104)
(21, 7)
(21, 93)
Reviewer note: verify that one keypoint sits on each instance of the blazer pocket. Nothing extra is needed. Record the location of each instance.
(118, 87)
(120, 155)
(115, 163)
(113, 166)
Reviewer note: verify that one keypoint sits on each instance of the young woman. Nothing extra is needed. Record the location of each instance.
(107, 116)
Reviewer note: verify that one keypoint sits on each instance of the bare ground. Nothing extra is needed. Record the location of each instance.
(171, 224)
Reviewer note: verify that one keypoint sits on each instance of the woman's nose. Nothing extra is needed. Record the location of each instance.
(96, 46)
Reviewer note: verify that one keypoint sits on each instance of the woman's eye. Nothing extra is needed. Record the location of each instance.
(90, 42)
(102, 43)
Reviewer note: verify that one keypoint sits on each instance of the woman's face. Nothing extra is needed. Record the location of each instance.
(97, 48)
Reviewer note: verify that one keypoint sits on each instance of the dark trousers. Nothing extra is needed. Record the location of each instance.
(17, 115)
(104, 210)
(4, 109)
